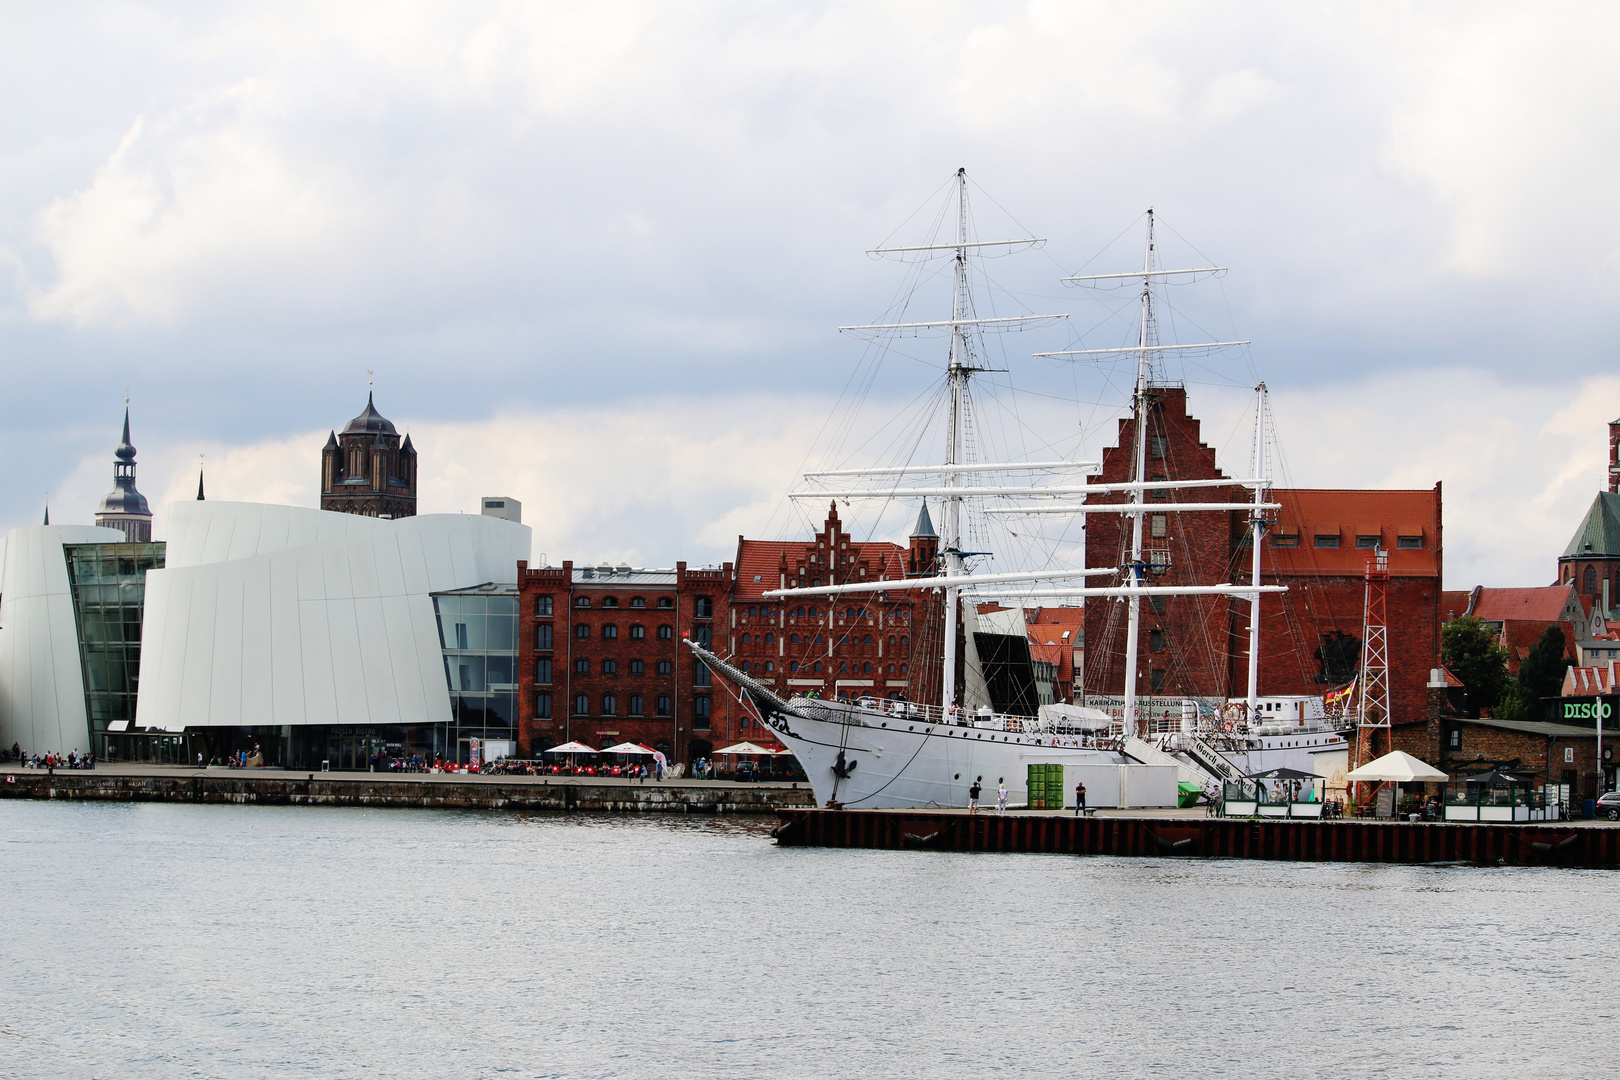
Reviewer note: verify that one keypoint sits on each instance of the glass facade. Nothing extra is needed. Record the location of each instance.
(478, 633)
(109, 597)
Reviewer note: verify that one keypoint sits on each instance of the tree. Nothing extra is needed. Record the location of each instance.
(1541, 675)
(1470, 649)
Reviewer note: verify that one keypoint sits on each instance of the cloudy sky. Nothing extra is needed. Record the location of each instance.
(596, 254)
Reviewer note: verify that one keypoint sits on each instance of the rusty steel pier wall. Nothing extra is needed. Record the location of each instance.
(1581, 845)
(322, 790)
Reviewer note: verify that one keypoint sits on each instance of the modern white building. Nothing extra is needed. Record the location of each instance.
(43, 705)
(315, 634)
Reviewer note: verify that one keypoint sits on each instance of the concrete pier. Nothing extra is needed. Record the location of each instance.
(274, 787)
(1583, 844)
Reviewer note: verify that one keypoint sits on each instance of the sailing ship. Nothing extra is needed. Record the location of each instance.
(870, 753)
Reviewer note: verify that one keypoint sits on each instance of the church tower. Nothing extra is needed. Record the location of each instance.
(366, 469)
(1614, 456)
(124, 508)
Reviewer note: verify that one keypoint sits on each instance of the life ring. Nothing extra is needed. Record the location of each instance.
(1229, 727)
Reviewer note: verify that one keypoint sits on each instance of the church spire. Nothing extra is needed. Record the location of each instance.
(124, 508)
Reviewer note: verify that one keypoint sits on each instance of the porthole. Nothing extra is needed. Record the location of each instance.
(958, 776)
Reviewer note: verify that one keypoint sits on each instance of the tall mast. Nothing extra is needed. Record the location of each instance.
(1258, 526)
(1139, 405)
(958, 376)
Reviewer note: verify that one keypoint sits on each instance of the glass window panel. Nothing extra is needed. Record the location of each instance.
(500, 669)
(502, 631)
(503, 605)
(471, 672)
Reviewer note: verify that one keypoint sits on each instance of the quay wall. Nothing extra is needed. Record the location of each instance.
(561, 795)
(1593, 846)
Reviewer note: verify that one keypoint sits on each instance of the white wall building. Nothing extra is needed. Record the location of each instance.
(278, 616)
(42, 700)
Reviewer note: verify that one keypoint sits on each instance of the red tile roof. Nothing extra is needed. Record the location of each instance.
(1545, 604)
(1347, 514)
(1047, 624)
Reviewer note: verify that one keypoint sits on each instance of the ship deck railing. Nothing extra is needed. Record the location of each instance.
(863, 711)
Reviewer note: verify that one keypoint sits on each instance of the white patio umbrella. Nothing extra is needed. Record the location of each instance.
(571, 748)
(1398, 767)
(629, 748)
(746, 748)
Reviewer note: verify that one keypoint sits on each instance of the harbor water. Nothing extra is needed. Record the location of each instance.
(174, 940)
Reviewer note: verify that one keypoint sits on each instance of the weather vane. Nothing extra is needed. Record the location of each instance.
(369, 380)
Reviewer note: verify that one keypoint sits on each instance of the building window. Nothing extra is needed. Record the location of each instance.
(582, 667)
(666, 633)
(702, 676)
(770, 639)
(582, 705)
(542, 606)
(700, 634)
(902, 669)
(817, 667)
(1409, 543)
(1285, 540)
(868, 639)
(665, 602)
(1454, 739)
(843, 669)
(1366, 541)
(542, 637)
(1157, 603)
(1156, 680)
(1589, 581)
(793, 639)
(700, 712)
(665, 667)
(703, 607)
(635, 704)
(610, 705)
(637, 667)
(542, 706)
(1156, 641)
(582, 631)
(542, 672)
(866, 669)
(662, 705)
(638, 633)
(610, 632)
(745, 639)
(793, 665)
(637, 602)
(1327, 540)
(1159, 445)
(904, 641)
(744, 665)
(610, 601)
(1157, 525)
(582, 601)
(610, 667)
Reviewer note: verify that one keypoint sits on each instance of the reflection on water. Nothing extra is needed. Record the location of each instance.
(161, 941)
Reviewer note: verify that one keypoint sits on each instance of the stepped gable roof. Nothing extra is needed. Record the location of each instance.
(762, 559)
(1544, 604)
(1583, 681)
(1599, 533)
(370, 421)
(1348, 513)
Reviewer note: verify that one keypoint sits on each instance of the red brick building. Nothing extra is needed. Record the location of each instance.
(880, 644)
(1318, 546)
(600, 659)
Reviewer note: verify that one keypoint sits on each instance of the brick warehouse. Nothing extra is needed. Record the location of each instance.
(600, 658)
(1318, 545)
(878, 644)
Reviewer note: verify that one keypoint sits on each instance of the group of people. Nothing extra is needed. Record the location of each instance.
(51, 761)
(977, 790)
(236, 759)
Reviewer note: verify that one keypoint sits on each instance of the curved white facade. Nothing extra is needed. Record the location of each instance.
(41, 678)
(277, 615)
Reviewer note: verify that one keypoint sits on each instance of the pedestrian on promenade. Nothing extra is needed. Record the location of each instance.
(1001, 795)
(973, 795)
(1079, 798)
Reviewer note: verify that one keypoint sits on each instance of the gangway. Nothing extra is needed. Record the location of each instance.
(1187, 772)
(1210, 760)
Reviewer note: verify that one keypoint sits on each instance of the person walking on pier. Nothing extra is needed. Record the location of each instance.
(1079, 798)
(973, 795)
(1001, 795)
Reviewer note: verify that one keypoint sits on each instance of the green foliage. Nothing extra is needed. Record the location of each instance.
(1470, 649)
(1512, 706)
(1541, 675)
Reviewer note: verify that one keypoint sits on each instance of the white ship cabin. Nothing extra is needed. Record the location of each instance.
(1284, 712)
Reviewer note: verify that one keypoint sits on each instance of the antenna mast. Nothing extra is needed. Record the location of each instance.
(958, 374)
(1145, 334)
(1259, 527)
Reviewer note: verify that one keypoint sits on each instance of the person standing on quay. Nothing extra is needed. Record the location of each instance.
(1079, 798)
(1001, 795)
(973, 795)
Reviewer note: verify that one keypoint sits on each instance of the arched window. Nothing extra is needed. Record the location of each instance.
(542, 706)
(843, 669)
(582, 601)
(793, 639)
(800, 612)
(610, 704)
(663, 705)
(1589, 581)
(891, 641)
(866, 669)
(743, 665)
(769, 666)
(637, 667)
(904, 641)
(902, 669)
(793, 665)
(817, 667)
(665, 602)
(666, 633)
(582, 631)
(891, 669)
(582, 666)
(610, 631)
(637, 602)
(820, 640)
(610, 667)
(700, 708)
(582, 705)
(744, 639)
(666, 667)
(635, 704)
(638, 633)
(610, 601)
(542, 606)
(770, 639)
(868, 639)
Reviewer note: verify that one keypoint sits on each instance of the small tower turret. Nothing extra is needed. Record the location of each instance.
(124, 508)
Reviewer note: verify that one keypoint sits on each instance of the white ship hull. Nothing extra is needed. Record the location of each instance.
(869, 759)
